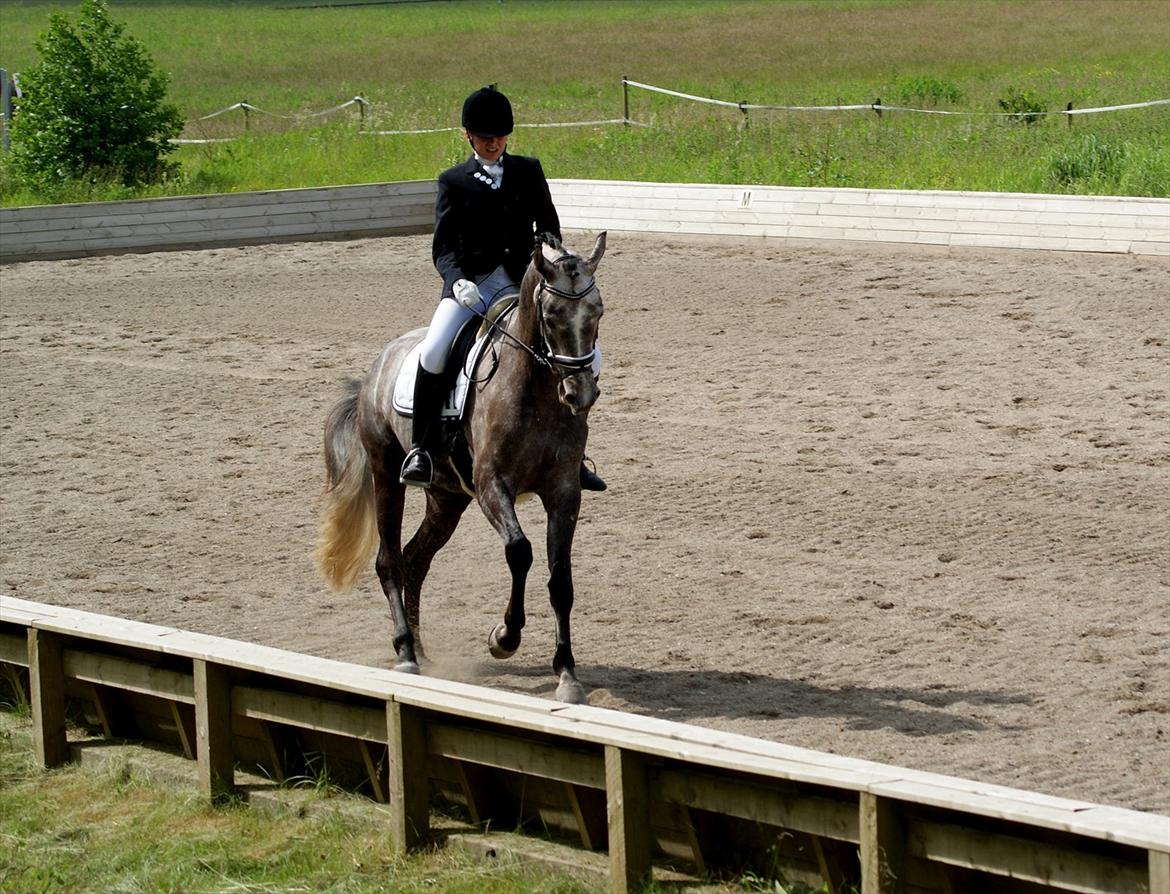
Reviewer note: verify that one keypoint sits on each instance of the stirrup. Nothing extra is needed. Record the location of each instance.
(590, 480)
(423, 474)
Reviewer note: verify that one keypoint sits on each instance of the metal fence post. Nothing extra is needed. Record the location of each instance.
(6, 92)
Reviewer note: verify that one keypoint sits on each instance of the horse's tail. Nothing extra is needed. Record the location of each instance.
(348, 532)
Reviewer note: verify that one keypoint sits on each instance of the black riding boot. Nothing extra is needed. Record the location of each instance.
(590, 480)
(419, 469)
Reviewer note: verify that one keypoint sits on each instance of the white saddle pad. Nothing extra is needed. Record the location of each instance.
(456, 398)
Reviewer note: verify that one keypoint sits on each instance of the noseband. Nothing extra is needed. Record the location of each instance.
(566, 364)
(543, 354)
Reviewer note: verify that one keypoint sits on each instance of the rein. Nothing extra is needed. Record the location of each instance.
(547, 357)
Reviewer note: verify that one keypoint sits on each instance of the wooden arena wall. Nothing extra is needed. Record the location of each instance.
(646, 792)
(989, 220)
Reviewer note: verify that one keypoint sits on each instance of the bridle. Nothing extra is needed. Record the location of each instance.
(567, 365)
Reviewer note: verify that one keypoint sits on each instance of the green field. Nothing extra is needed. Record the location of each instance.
(563, 61)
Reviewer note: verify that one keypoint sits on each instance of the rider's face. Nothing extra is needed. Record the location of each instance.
(488, 148)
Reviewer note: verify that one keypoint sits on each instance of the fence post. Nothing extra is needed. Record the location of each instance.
(629, 820)
(1068, 108)
(877, 106)
(5, 107)
(46, 683)
(213, 729)
(1159, 871)
(247, 115)
(883, 846)
(406, 756)
(625, 101)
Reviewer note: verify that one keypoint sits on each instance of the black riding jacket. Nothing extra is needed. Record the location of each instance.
(478, 228)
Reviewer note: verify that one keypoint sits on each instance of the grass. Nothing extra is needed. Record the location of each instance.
(84, 828)
(558, 61)
(79, 829)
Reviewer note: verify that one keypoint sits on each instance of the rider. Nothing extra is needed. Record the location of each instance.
(488, 210)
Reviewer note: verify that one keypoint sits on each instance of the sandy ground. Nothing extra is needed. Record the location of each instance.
(905, 504)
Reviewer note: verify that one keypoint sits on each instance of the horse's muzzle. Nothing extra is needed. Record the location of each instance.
(579, 392)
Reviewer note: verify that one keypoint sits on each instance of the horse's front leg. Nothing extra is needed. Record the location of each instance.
(562, 508)
(499, 507)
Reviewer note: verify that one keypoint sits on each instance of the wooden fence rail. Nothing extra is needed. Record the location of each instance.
(650, 792)
(955, 219)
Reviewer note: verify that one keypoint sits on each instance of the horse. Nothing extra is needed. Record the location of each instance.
(524, 425)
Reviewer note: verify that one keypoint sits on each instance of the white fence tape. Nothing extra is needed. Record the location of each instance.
(878, 106)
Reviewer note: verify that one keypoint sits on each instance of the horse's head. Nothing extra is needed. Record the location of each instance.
(568, 307)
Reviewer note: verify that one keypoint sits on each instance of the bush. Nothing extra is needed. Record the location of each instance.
(1023, 105)
(92, 108)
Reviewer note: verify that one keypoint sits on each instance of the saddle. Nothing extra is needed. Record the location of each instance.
(469, 345)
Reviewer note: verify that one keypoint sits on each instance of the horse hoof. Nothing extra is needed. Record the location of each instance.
(570, 691)
(497, 650)
(407, 667)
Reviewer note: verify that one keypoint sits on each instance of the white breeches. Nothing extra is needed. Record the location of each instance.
(450, 316)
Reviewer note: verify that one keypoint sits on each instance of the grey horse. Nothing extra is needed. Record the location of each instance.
(523, 431)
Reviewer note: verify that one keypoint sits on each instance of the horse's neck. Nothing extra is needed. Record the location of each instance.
(525, 323)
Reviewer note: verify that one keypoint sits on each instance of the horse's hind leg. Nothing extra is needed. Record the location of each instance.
(444, 509)
(389, 498)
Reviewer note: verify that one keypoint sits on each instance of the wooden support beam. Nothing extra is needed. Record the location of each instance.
(955, 880)
(686, 822)
(473, 785)
(883, 846)
(132, 676)
(213, 729)
(46, 678)
(1159, 871)
(354, 721)
(591, 822)
(760, 801)
(627, 801)
(111, 714)
(185, 728)
(270, 733)
(1043, 862)
(837, 862)
(562, 763)
(14, 649)
(408, 790)
(374, 758)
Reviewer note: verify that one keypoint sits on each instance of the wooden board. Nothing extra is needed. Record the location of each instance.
(993, 220)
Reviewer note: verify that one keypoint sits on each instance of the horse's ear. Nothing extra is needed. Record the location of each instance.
(540, 262)
(595, 256)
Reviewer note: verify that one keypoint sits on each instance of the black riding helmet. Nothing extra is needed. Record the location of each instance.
(487, 113)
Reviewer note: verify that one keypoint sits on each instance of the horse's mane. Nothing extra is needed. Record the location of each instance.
(531, 277)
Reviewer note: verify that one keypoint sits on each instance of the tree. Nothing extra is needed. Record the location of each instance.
(93, 107)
